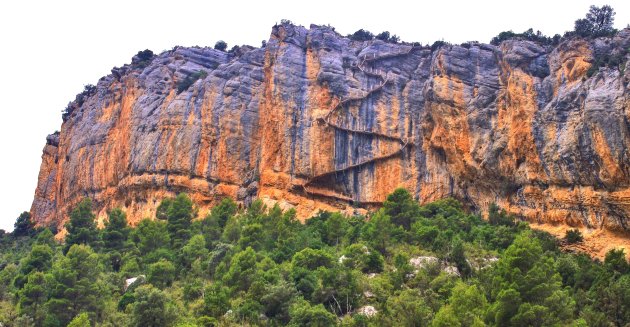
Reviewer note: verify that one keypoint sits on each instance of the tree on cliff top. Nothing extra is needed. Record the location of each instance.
(598, 22)
(142, 59)
(385, 36)
(220, 45)
(361, 35)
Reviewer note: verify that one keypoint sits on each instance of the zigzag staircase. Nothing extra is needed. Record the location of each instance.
(384, 76)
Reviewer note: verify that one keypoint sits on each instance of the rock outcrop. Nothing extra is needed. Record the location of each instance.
(317, 121)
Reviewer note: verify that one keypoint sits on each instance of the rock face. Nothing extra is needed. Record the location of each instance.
(317, 121)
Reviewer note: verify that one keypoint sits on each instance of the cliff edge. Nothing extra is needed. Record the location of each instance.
(316, 121)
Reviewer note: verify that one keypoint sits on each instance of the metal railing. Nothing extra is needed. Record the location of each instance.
(385, 79)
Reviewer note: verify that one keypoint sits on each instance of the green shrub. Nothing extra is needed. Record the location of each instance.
(361, 35)
(126, 299)
(190, 80)
(81, 320)
(142, 59)
(23, 225)
(205, 321)
(528, 35)
(437, 44)
(161, 273)
(280, 272)
(235, 50)
(573, 236)
(385, 36)
(615, 60)
(498, 216)
(220, 45)
(593, 69)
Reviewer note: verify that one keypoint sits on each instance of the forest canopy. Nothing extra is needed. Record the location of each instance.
(402, 265)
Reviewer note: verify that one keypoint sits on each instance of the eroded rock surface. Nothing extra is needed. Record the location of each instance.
(317, 121)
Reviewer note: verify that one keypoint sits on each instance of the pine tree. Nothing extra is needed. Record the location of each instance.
(32, 297)
(74, 285)
(39, 259)
(161, 273)
(151, 236)
(81, 227)
(598, 22)
(161, 212)
(401, 208)
(223, 211)
(216, 300)
(116, 230)
(459, 258)
(81, 320)
(377, 231)
(152, 308)
(179, 216)
(115, 236)
(23, 225)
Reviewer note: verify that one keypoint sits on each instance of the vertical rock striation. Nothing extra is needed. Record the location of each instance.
(317, 121)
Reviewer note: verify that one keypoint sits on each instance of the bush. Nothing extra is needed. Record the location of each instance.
(615, 60)
(303, 313)
(188, 81)
(437, 44)
(497, 216)
(314, 274)
(125, 300)
(592, 70)
(385, 36)
(145, 54)
(152, 307)
(161, 273)
(205, 321)
(361, 35)
(220, 45)
(528, 35)
(615, 260)
(573, 236)
(81, 227)
(81, 320)
(142, 59)
(23, 225)
(235, 50)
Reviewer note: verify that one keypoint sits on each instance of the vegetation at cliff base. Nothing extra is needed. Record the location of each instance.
(573, 236)
(402, 265)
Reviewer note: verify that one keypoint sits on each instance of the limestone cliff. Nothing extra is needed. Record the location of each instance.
(317, 121)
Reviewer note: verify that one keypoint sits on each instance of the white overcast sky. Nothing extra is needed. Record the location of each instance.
(50, 49)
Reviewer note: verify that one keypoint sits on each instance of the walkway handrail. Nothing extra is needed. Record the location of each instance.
(404, 141)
